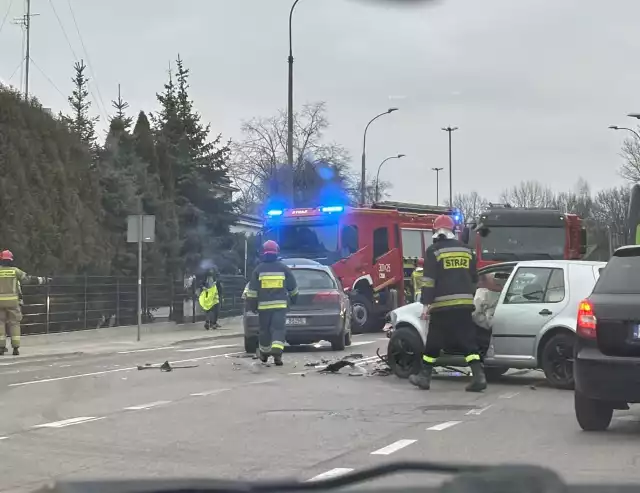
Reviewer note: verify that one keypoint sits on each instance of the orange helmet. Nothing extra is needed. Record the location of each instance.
(444, 222)
(270, 246)
(6, 255)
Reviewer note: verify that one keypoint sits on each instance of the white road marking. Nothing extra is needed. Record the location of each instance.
(3, 438)
(68, 422)
(209, 392)
(509, 395)
(478, 412)
(46, 380)
(147, 406)
(361, 343)
(332, 473)
(265, 380)
(146, 350)
(394, 447)
(443, 426)
(206, 348)
(299, 373)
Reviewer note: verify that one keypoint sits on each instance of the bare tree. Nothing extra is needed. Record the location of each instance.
(630, 168)
(259, 159)
(470, 204)
(578, 201)
(530, 194)
(610, 211)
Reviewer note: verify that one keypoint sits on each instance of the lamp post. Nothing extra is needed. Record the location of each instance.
(616, 127)
(438, 170)
(399, 156)
(364, 150)
(290, 106)
(450, 130)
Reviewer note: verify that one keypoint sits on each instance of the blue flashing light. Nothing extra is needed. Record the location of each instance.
(275, 212)
(333, 208)
(458, 218)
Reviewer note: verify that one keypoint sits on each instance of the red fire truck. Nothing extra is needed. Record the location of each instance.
(372, 250)
(504, 233)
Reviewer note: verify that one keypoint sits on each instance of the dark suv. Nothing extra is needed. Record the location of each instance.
(607, 350)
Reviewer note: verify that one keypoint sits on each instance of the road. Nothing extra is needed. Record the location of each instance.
(90, 417)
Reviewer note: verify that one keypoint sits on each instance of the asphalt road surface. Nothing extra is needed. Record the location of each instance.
(97, 417)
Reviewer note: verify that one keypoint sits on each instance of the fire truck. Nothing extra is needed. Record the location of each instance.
(372, 250)
(503, 233)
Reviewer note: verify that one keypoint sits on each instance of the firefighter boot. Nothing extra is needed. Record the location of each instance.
(3, 349)
(478, 378)
(262, 356)
(16, 351)
(277, 359)
(422, 379)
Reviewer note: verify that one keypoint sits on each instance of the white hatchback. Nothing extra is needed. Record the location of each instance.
(534, 323)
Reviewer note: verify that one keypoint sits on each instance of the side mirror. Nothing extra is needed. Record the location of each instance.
(583, 241)
(466, 234)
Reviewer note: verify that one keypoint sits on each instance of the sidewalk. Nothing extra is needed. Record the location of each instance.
(114, 339)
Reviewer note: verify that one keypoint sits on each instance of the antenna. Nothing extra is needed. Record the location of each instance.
(25, 23)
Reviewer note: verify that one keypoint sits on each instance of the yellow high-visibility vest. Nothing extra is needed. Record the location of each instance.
(209, 298)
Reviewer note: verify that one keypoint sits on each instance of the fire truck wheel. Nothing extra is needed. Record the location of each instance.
(363, 317)
(404, 352)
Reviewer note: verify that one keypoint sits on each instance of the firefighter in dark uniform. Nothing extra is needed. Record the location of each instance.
(447, 296)
(271, 288)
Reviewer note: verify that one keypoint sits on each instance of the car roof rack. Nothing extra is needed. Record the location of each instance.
(415, 208)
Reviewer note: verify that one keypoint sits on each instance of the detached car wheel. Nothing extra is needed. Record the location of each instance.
(404, 352)
(557, 361)
(592, 415)
(250, 344)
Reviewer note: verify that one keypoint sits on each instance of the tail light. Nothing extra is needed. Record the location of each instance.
(586, 326)
(327, 297)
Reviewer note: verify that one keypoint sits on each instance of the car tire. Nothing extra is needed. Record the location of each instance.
(363, 317)
(494, 373)
(404, 352)
(251, 344)
(557, 367)
(338, 343)
(592, 415)
(347, 333)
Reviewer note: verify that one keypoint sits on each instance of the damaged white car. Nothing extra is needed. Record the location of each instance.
(532, 326)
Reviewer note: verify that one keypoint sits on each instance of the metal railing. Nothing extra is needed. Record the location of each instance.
(71, 303)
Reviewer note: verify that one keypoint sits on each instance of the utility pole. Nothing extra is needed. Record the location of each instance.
(437, 170)
(450, 130)
(25, 23)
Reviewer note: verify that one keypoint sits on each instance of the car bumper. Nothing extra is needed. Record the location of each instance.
(319, 327)
(607, 378)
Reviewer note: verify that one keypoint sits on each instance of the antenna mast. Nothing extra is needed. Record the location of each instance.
(25, 23)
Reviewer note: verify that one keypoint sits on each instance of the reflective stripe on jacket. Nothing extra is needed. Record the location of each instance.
(449, 275)
(271, 286)
(10, 278)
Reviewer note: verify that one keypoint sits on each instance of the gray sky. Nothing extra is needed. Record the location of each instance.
(532, 84)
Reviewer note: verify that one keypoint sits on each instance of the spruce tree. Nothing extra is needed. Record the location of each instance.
(80, 121)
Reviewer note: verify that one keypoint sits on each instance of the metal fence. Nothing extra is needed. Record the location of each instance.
(73, 303)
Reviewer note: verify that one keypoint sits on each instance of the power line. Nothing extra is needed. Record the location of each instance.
(48, 78)
(64, 31)
(15, 71)
(84, 48)
(6, 15)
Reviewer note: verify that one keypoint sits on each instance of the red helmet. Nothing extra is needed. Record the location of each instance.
(6, 255)
(444, 222)
(270, 246)
(420, 262)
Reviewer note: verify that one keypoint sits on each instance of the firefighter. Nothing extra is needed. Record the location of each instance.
(210, 299)
(10, 300)
(271, 288)
(447, 297)
(416, 279)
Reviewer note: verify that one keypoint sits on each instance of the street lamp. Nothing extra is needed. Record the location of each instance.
(450, 130)
(616, 127)
(399, 156)
(634, 115)
(438, 170)
(364, 149)
(290, 105)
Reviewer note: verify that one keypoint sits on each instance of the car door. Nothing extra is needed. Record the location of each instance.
(531, 299)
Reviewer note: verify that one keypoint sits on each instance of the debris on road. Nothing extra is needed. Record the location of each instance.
(336, 366)
(166, 366)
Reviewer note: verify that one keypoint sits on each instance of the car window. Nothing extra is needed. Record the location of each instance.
(380, 242)
(350, 239)
(621, 275)
(528, 285)
(555, 288)
(313, 279)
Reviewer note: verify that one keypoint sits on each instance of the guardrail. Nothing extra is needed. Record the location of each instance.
(71, 303)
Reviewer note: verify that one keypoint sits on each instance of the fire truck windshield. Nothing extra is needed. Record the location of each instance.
(504, 243)
(301, 239)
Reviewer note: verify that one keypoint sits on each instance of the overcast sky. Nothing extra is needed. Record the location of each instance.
(532, 84)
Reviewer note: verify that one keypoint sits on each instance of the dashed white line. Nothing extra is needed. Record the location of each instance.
(147, 406)
(361, 343)
(146, 350)
(220, 346)
(443, 426)
(478, 412)
(4, 438)
(509, 395)
(68, 422)
(209, 392)
(332, 473)
(394, 447)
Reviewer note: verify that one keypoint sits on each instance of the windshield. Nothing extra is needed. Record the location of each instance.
(504, 243)
(620, 276)
(412, 243)
(305, 238)
(313, 279)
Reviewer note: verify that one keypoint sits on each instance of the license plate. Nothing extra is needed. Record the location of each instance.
(296, 321)
(636, 331)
